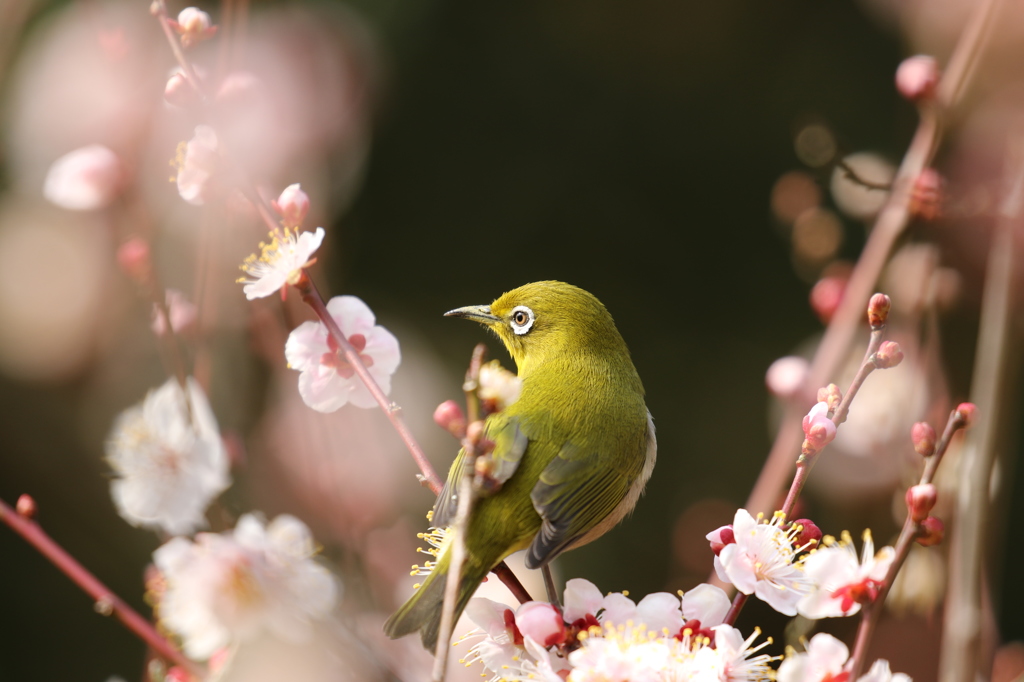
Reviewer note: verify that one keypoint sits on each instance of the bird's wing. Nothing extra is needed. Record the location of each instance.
(509, 445)
(572, 496)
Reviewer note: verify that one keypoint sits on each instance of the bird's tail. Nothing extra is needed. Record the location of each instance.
(423, 610)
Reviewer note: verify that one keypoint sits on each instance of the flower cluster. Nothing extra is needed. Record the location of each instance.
(612, 638)
(232, 586)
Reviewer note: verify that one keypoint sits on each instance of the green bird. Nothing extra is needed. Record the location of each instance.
(574, 452)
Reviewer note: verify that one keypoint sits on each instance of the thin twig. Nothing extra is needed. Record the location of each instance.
(106, 602)
(889, 225)
(911, 530)
(855, 177)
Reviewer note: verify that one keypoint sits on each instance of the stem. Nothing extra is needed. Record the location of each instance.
(911, 530)
(734, 611)
(311, 296)
(890, 224)
(472, 383)
(106, 602)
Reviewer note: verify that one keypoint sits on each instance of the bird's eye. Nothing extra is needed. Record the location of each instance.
(522, 319)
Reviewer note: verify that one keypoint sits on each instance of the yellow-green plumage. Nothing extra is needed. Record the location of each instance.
(577, 447)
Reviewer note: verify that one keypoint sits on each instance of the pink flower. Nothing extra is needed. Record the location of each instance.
(198, 166)
(328, 381)
(842, 583)
(293, 205)
(281, 261)
(823, 660)
(84, 180)
(763, 561)
(819, 429)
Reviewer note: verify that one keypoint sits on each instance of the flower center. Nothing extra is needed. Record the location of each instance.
(863, 592)
(336, 360)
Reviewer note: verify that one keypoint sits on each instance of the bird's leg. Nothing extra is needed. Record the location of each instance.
(549, 585)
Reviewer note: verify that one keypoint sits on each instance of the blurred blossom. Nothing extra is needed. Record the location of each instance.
(815, 145)
(292, 205)
(198, 165)
(85, 179)
(917, 77)
(181, 310)
(280, 262)
(880, 672)
(134, 259)
(786, 376)
(53, 291)
(193, 25)
(499, 387)
(842, 584)
(168, 459)
(827, 293)
(852, 197)
(327, 381)
(793, 193)
(234, 586)
(817, 235)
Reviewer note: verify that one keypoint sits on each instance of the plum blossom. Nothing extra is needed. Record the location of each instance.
(819, 429)
(281, 261)
(85, 179)
(842, 583)
(762, 560)
(233, 586)
(181, 311)
(168, 459)
(292, 205)
(198, 163)
(499, 387)
(823, 660)
(327, 381)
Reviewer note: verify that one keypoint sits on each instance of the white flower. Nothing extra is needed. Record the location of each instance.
(763, 561)
(198, 163)
(169, 460)
(328, 381)
(739, 662)
(842, 583)
(181, 311)
(823, 660)
(234, 586)
(86, 179)
(880, 673)
(280, 262)
(499, 387)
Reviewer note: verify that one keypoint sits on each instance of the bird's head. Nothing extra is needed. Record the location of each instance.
(541, 320)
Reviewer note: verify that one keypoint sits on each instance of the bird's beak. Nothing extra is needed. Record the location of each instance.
(479, 313)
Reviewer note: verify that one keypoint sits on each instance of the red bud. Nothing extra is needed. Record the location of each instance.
(917, 77)
(878, 309)
(810, 534)
(932, 532)
(923, 436)
(967, 413)
(920, 500)
(449, 416)
(26, 506)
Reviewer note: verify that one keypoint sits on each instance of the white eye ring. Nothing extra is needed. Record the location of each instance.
(521, 328)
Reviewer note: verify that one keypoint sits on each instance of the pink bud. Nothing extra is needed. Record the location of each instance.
(449, 416)
(178, 92)
(878, 309)
(826, 295)
(785, 376)
(831, 396)
(923, 436)
(84, 180)
(920, 500)
(26, 506)
(888, 355)
(133, 258)
(194, 26)
(967, 413)
(932, 532)
(819, 430)
(720, 537)
(541, 622)
(926, 195)
(292, 205)
(917, 77)
(809, 534)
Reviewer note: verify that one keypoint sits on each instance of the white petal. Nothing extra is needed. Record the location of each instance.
(352, 315)
(581, 597)
(660, 612)
(827, 653)
(706, 603)
(488, 615)
(618, 609)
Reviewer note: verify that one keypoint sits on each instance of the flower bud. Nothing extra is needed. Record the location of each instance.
(888, 355)
(878, 309)
(541, 622)
(86, 179)
(923, 436)
(193, 25)
(967, 412)
(292, 205)
(26, 506)
(786, 376)
(721, 537)
(920, 500)
(932, 532)
(178, 92)
(926, 195)
(449, 416)
(134, 260)
(917, 77)
(819, 430)
(831, 396)
(809, 535)
(826, 295)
